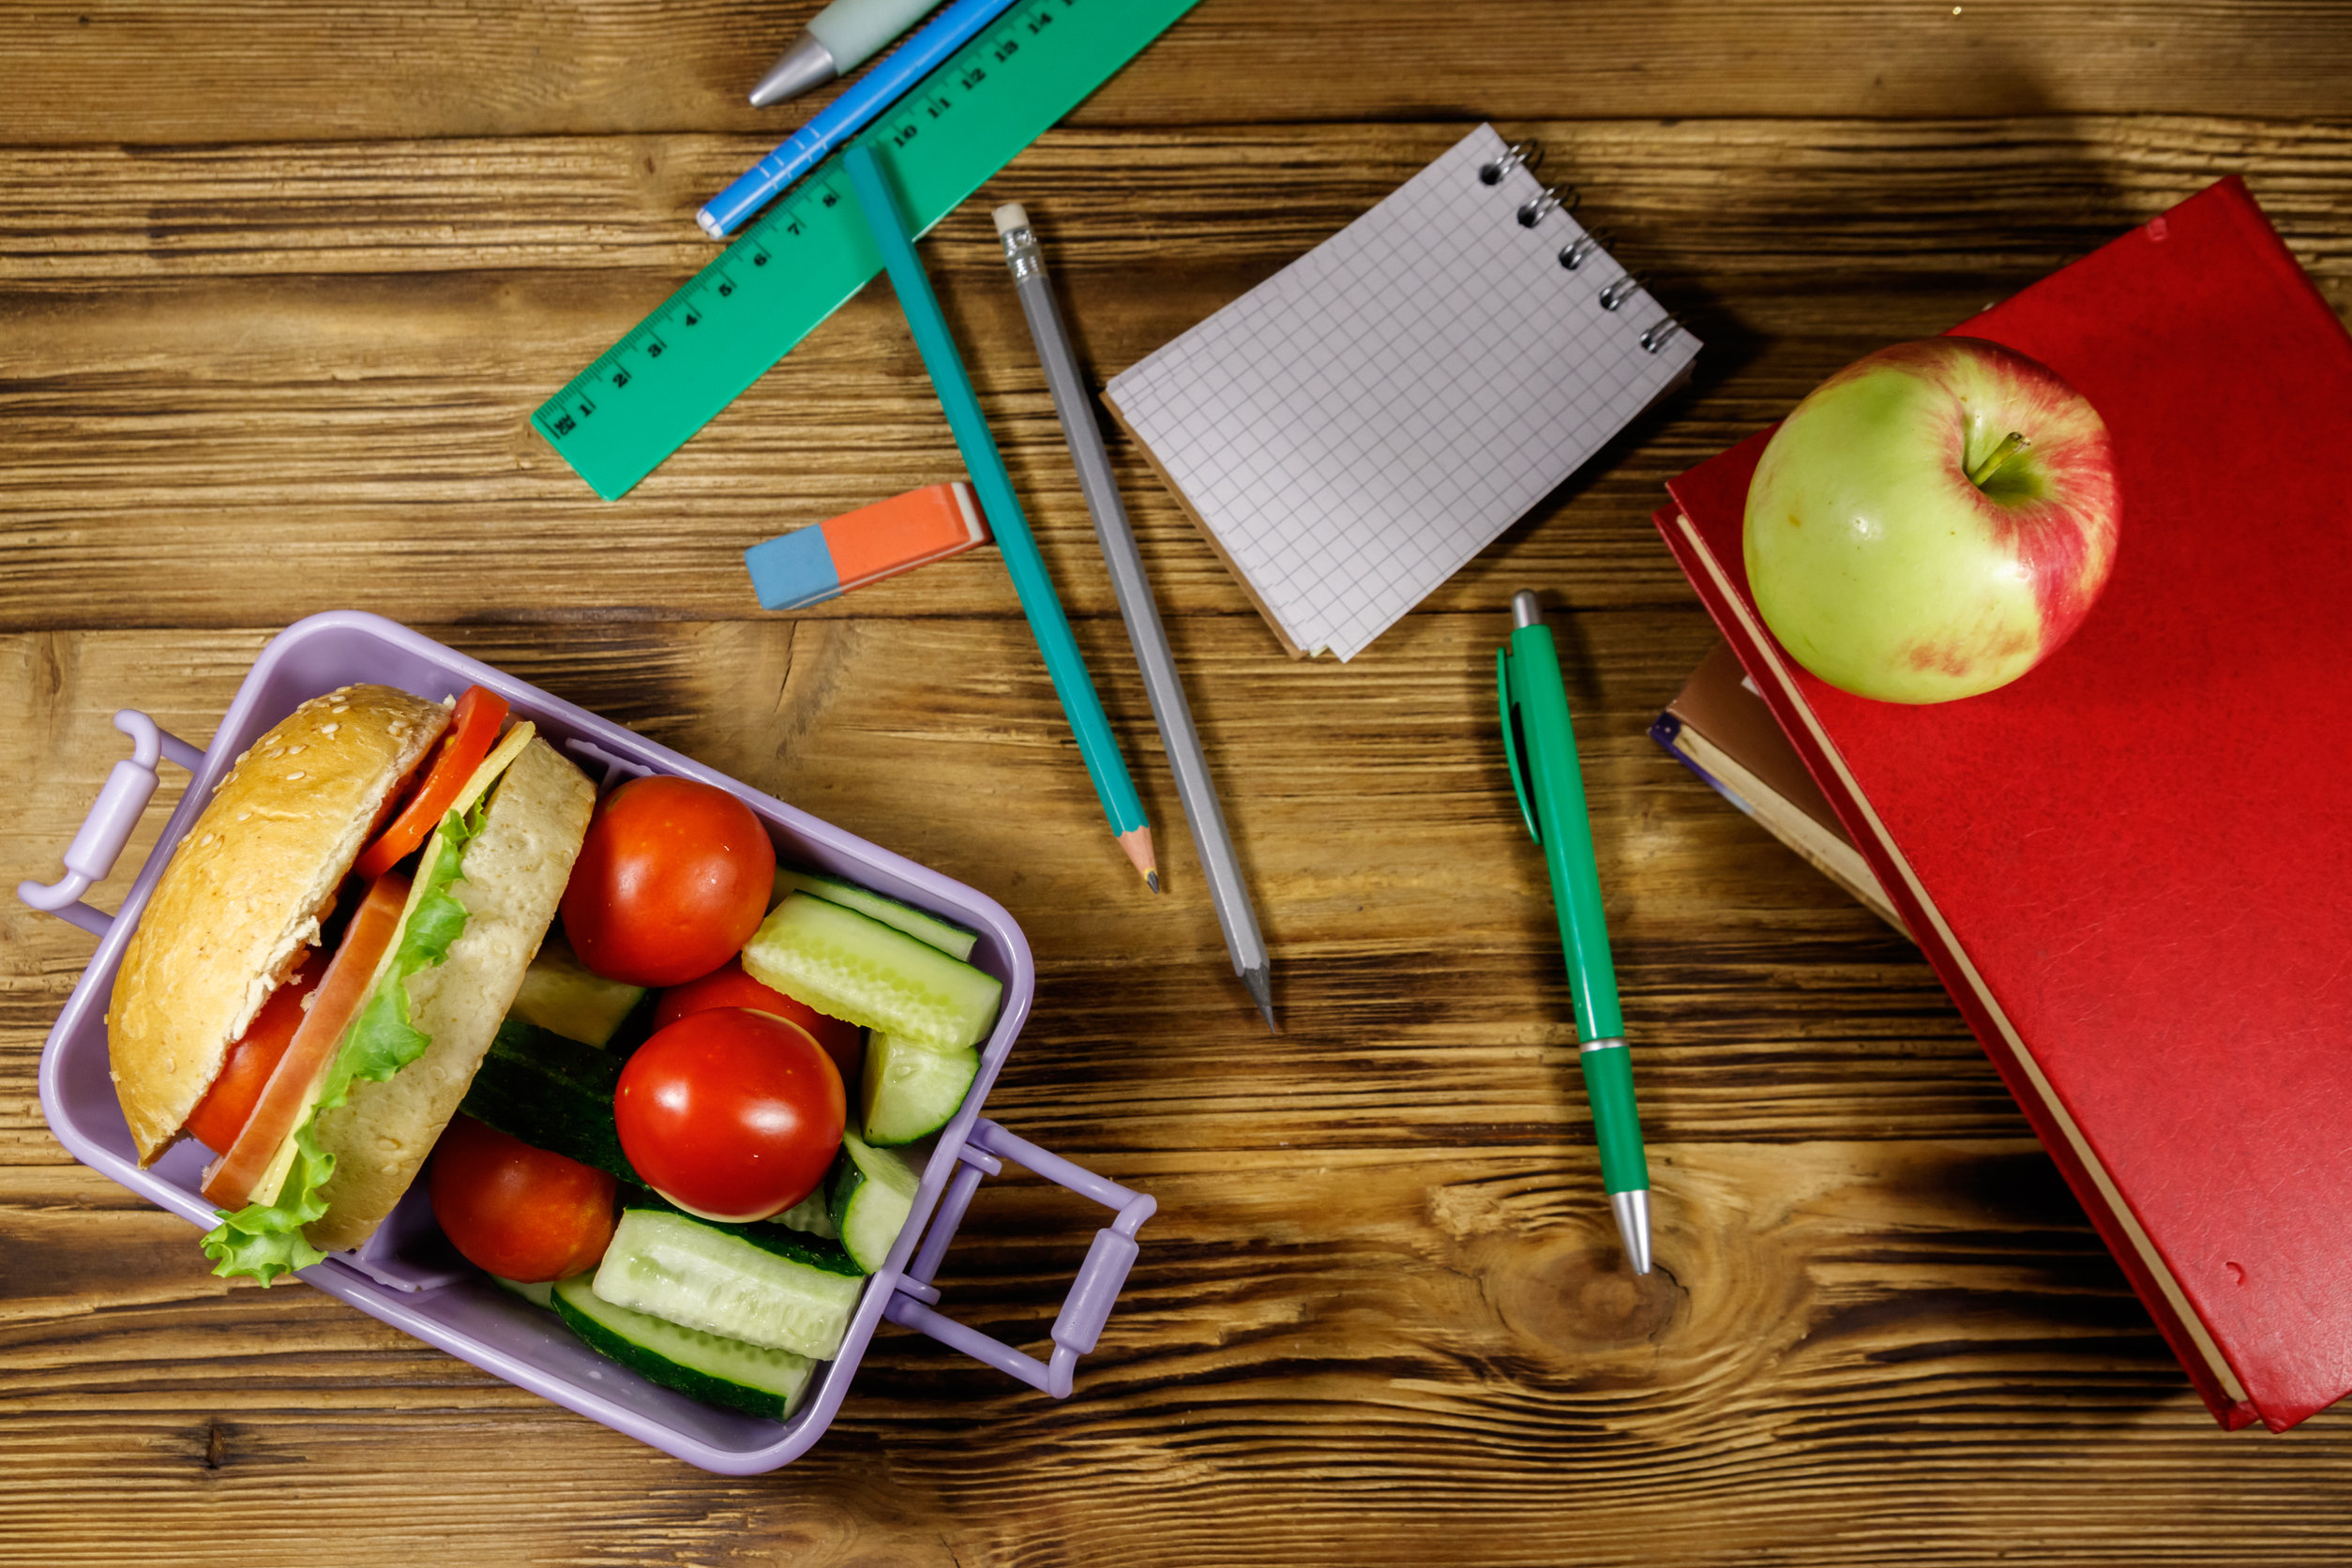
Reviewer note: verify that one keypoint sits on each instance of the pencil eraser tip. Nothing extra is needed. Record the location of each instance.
(1011, 216)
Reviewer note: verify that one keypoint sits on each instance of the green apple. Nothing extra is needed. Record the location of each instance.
(1933, 521)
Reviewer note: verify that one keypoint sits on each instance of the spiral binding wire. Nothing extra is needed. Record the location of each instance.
(1579, 250)
(1584, 247)
(1549, 202)
(1521, 154)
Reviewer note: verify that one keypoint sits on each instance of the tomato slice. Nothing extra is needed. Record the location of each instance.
(473, 731)
(228, 1105)
(230, 1180)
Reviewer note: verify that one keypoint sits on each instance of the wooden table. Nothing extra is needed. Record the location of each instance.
(280, 283)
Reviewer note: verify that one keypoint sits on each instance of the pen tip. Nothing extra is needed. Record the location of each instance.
(1633, 1226)
(807, 64)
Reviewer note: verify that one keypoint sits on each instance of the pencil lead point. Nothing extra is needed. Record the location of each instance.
(1136, 841)
(1261, 991)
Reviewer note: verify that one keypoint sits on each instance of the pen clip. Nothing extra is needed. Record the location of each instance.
(1511, 749)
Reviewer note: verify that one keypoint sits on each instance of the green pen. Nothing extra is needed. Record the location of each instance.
(1540, 749)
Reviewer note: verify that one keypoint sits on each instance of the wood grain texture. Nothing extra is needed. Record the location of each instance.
(320, 350)
(278, 287)
(219, 70)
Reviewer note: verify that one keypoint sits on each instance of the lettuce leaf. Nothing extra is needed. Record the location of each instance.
(263, 1241)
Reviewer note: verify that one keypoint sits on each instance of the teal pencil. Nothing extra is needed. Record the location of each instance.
(880, 207)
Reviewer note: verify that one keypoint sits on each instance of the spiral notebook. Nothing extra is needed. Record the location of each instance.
(1350, 433)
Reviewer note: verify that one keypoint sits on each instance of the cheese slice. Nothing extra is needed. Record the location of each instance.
(477, 784)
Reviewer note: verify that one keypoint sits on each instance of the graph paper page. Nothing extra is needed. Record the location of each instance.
(1358, 426)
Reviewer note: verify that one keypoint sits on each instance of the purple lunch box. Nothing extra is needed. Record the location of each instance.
(407, 1274)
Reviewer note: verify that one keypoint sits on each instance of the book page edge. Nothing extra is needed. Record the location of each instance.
(1184, 503)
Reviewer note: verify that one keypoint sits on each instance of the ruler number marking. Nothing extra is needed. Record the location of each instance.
(997, 65)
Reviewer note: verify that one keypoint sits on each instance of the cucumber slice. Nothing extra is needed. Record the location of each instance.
(722, 1282)
(813, 1215)
(551, 1093)
(873, 1193)
(908, 1092)
(851, 965)
(559, 994)
(533, 1291)
(954, 941)
(800, 1244)
(705, 1366)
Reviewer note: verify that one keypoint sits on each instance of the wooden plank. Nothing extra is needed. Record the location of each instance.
(941, 740)
(284, 70)
(1864, 1354)
(315, 348)
(1381, 1272)
(278, 286)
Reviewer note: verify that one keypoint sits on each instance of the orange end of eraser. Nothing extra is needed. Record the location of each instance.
(904, 532)
(865, 546)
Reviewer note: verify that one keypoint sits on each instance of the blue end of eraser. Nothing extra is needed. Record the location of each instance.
(793, 571)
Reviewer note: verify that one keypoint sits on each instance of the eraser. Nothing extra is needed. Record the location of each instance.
(813, 565)
(1011, 216)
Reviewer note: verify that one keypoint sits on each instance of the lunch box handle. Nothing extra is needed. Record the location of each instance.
(90, 858)
(1084, 1310)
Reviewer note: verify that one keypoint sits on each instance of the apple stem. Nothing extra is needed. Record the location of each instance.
(1997, 459)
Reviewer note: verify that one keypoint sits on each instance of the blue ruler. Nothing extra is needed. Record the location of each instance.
(800, 259)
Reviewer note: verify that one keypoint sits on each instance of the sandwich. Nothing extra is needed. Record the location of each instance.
(328, 954)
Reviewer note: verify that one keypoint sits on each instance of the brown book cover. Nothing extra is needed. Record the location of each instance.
(1720, 729)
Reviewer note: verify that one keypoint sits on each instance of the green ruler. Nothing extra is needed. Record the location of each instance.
(803, 257)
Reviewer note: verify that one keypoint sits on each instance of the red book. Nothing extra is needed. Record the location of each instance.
(2132, 867)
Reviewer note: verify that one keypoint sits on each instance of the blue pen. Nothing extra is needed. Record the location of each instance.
(846, 115)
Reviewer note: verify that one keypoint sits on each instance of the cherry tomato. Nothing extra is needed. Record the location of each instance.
(228, 1105)
(520, 1213)
(672, 880)
(730, 1114)
(729, 986)
(472, 731)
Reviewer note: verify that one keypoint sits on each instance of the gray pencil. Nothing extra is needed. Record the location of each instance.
(1169, 711)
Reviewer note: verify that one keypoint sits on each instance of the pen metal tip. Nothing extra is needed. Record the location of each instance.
(1633, 1226)
(807, 64)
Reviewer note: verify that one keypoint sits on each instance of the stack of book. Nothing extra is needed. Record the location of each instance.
(2132, 867)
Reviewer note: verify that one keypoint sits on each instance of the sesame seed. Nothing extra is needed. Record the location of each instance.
(292, 777)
